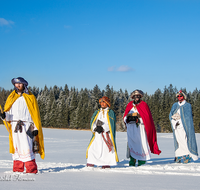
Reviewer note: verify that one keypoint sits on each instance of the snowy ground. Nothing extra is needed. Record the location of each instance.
(64, 166)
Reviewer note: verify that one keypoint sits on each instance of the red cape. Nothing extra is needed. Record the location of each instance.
(146, 116)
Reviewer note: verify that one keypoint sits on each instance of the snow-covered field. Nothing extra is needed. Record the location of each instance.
(64, 166)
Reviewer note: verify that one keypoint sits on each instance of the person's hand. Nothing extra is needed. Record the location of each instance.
(3, 115)
(99, 129)
(131, 118)
(35, 133)
(177, 124)
(128, 119)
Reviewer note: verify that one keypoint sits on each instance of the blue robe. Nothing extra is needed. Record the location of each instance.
(187, 120)
(111, 122)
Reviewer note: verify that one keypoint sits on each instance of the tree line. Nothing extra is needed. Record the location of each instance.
(73, 108)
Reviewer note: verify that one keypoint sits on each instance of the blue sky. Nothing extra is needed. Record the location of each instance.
(128, 44)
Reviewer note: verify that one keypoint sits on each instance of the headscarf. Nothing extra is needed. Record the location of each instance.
(105, 99)
(137, 92)
(21, 81)
(182, 94)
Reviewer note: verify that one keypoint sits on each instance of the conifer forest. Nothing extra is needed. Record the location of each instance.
(73, 108)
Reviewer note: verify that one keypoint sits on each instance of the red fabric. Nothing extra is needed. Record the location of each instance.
(18, 166)
(31, 166)
(108, 141)
(145, 113)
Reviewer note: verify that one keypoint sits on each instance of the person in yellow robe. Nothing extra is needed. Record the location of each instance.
(22, 118)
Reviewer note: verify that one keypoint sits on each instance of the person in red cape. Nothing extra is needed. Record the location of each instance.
(141, 132)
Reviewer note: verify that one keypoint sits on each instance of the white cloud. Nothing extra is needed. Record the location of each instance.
(4, 22)
(111, 68)
(122, 68)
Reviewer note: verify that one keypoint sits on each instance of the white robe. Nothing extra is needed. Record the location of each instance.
(137, 139)
(181, 137)
(98, 153)
(23, 144)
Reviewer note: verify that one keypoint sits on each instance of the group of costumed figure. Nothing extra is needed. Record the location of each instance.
(22, 119)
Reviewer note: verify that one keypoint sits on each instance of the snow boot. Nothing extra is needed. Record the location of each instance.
(186, 159)
(18, 166)
(31, 166)
(177, 159)
(90, 165)
(104, 167)
(141, 162)
(132, 161)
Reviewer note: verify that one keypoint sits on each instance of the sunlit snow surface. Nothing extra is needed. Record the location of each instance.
(64, 166)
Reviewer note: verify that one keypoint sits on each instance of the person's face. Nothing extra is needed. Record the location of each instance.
(103, 105)
(180, 98)
(137, 98)
(19, 86)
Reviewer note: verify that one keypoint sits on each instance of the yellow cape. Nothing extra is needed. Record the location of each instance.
(33, 108)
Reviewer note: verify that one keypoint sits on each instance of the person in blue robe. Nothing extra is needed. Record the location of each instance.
(183, 130)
